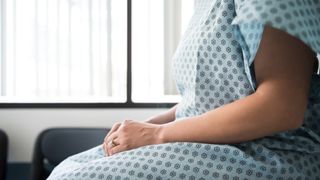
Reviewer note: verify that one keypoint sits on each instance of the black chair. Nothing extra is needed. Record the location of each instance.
(3, 154)
(54, 145)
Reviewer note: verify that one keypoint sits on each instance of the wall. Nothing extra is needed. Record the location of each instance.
(23, 125)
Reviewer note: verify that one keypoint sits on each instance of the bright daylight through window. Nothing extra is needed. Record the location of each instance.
(157, 26)
(76, 50)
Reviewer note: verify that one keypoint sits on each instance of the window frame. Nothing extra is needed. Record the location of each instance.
(128, 104)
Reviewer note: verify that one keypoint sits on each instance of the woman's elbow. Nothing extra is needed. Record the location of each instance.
(284, 112)
(296, 113)
(296, 123)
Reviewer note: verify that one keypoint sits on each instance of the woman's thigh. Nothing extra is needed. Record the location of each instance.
(179, 160)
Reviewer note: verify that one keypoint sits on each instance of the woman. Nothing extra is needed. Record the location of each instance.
(250, 109)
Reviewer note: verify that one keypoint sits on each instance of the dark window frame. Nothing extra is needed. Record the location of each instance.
(128, 104)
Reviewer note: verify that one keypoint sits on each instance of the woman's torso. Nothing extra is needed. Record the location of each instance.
(210, 71)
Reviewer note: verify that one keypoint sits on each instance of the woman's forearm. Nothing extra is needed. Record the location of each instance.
(166, 117)
(250, 118)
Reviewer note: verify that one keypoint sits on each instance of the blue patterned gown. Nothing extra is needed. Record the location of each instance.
(212, 67)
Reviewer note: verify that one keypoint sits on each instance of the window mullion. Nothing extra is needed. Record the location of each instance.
(129, 52)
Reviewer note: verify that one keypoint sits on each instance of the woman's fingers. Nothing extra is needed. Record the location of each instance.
(111, 137)
(117, 149)
(113, 129)
(115, 141)
(105, 148)
(110, 141)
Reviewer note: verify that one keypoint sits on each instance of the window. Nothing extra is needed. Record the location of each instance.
(63, 50)
(76, 51)
(157, 26)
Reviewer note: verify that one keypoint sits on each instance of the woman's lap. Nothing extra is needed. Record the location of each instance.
(184, 161)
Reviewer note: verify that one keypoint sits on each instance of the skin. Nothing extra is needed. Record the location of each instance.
(283, 67)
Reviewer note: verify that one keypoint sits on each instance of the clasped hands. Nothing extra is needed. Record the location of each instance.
(131, 134)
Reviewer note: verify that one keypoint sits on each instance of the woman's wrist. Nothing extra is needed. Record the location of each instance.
(160, 134)
(153, 120)
(159, 119)
(163, 118)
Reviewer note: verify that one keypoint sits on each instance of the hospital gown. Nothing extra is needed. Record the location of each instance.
(213, 66)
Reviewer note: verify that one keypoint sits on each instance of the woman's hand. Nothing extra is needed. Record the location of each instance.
(131, 134)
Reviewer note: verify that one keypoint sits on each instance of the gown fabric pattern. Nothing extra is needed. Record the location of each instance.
(212, 67)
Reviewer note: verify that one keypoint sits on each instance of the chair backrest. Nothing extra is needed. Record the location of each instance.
(3, 154)
(55, 144)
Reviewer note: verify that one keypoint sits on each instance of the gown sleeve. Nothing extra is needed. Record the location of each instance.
(298, 18)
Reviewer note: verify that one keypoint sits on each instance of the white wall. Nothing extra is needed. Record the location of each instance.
(23, 125)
